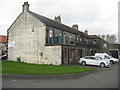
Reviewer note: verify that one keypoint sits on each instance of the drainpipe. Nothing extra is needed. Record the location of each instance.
(62, 49)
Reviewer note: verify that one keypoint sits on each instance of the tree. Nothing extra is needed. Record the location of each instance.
(109, 38)
(103, 36)
(98, 35)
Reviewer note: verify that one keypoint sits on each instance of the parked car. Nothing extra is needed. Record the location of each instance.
(93, 60)
(3, 57)
(106, 56)
(114, 59)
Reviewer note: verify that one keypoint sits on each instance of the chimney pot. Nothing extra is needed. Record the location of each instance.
(86, 32)
(75, 26)
(57, 19)
(25, 3)
(25, 7)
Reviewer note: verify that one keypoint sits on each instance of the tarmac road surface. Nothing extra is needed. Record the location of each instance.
(104, 78)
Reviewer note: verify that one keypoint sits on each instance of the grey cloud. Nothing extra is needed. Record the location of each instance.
(92, 15)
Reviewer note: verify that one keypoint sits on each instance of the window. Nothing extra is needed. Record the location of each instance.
(106, 57)
(99, 58)
(57, 32)
(60, 34)
(93, 58)
(105, 45)
(77, 39)
(94, 41)
(64, 38)
(80, 39)
(51, 33)
(87, 57)
(87, 41)
(72, 39)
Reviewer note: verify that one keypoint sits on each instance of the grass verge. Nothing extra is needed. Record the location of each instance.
(11, 67)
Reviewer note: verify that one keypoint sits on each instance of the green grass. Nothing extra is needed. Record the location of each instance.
(12, 67)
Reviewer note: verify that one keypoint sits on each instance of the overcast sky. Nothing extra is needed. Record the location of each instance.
(96, 16)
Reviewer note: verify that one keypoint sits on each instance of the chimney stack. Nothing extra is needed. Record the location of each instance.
(25, 7)
(57, 19)
(75, 26)
(86, 32)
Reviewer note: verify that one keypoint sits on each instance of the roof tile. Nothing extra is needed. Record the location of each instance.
(3, 39)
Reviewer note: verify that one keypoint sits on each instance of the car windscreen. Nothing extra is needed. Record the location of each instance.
(87, 57)
(99, 58)
(106, 57)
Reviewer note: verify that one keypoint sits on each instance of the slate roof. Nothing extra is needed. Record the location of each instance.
(3, 39)
(57, 25)
(96, 37)
(93, 37)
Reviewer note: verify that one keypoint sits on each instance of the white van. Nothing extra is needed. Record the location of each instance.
(106, 56)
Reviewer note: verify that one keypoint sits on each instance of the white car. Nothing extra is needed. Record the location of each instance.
(3, 57)
(106, 56)
(93, 60)
(114, 59)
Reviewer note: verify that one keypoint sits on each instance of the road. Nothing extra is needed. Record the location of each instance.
(104, 78)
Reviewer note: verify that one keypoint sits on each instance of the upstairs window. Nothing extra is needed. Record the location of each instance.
(72, 39)
(60, 34)
(80, 39)
(77, 39)
(104, 45)
(94, 41)
(51, 33)
(64, 38)
(87, 42)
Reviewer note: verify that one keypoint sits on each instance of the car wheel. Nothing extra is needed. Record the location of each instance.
(112, 62)
(102, 65)
(83, 63)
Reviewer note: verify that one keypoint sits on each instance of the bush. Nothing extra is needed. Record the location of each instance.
(18, 59)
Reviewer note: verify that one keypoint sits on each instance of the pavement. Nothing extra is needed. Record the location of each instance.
(102, 78)
(30, 77)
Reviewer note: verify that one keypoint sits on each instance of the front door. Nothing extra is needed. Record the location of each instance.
(68, 56)
(73, 55)
(94, 61)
